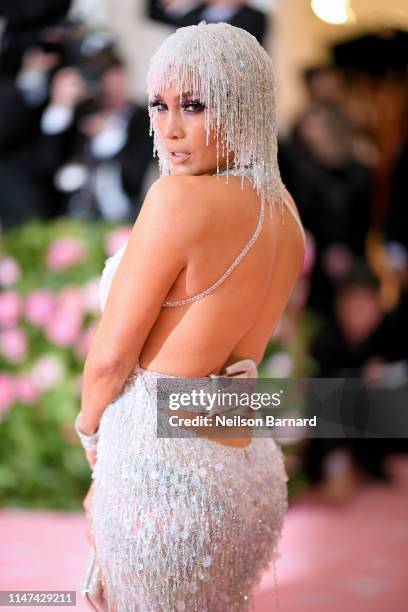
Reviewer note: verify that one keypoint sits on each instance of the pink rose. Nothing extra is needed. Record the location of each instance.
(9, 271)
(279, 365)
(11, 306)
(39, 306)
(7, 392)
(116, 239)
(90, 294)
(26, 390)
(63, 328)
(13, 344)
(70, 299)
(65, 252)
(48, 372)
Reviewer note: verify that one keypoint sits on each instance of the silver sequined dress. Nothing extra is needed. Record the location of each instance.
(181, 524)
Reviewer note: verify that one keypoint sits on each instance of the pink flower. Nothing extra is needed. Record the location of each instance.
(11, 306)
(84, 343)
(117, 238)
(7, 392)
(48, 372)
(65, 252)
(13, 344)
(26, 390)
(90, 294)
(63, 328)
(39, 306)
(71, 300)
(9, 271)
(279, 365)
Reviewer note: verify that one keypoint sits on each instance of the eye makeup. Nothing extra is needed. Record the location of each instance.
(186, 102)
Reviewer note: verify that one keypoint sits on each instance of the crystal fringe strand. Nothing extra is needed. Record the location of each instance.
(232, 74)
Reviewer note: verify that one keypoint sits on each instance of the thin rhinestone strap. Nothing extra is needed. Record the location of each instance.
(234, 264)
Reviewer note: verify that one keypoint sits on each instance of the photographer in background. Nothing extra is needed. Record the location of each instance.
(26, 69)
(334, 192)
(96, 141)
(238, 13)
(71, 140)
(356, 343)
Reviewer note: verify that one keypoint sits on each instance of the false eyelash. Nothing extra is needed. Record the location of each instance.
(195, 103)
(155, 103)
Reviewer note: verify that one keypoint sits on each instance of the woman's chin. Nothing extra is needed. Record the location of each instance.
(191, 168)
(185, 168)
(180, 169)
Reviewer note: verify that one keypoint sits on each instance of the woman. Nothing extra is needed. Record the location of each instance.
(190, 524)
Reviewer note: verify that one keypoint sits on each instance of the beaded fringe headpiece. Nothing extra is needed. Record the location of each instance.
(233, 76)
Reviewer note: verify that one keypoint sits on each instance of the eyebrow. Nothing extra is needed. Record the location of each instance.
(186, 94)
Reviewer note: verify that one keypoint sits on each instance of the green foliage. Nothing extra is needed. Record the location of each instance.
(42, 464)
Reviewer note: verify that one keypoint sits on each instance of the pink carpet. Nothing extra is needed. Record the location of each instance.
(352, 559)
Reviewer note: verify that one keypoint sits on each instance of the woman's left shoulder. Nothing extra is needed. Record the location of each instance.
(176, 188)
(175, 200)
(200, 191)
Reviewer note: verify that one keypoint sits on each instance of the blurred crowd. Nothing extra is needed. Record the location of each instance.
(239, 13)
(73, 142)
(345, 161)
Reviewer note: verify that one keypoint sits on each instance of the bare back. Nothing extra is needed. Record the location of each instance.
(237, 319)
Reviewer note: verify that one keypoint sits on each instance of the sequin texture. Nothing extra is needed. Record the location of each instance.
(180, 523)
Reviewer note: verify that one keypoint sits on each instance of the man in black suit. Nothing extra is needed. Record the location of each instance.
(235, 12)
(96, 151)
